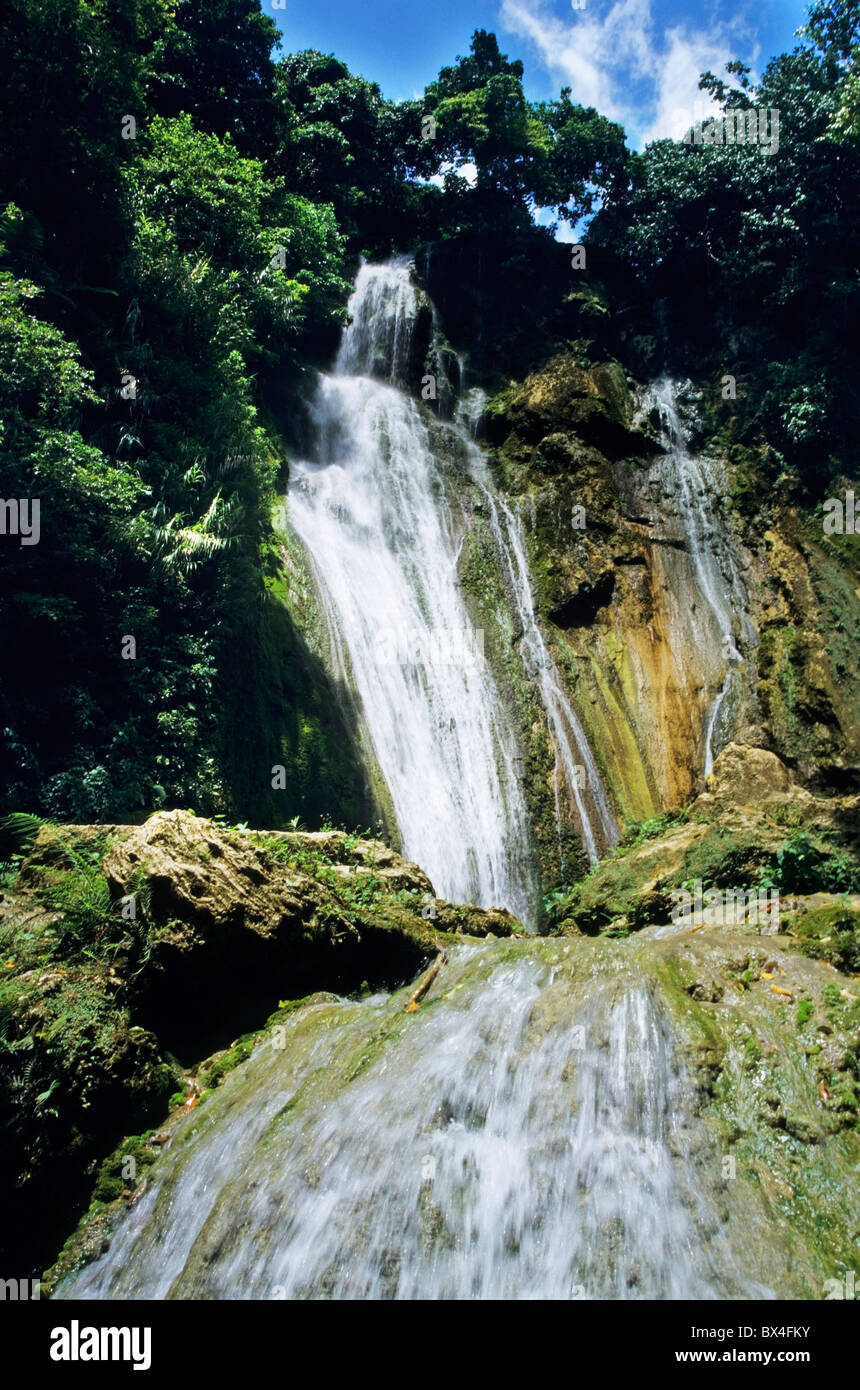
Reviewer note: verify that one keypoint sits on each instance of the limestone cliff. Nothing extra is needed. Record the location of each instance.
(619, 584)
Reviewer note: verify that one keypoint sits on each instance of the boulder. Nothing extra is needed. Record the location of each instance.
(237, 920)
(750, 777)
(207, 878)
(132, 952)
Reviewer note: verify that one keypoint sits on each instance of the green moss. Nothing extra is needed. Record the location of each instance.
(746, 480)
(725, 858)
(831, 934)
(212, 1073)
(832, 999)
(608, 899)
(650, 829)
(286, 1007)
(805, 1011)
(122, 1170)
(780, 658)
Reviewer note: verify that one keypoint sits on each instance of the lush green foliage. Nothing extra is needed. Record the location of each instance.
(152, 286)
(178, 220)
(215, 62)
(651, 829)
(804, 864)
(554, 154)
(750, 257)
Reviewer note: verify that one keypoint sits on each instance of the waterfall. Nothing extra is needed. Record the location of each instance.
(382, 539)
(524, 1140)
(539, 1127)
(689, 494)
(575, 770)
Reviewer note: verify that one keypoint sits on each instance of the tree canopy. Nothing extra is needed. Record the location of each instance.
(753, 256)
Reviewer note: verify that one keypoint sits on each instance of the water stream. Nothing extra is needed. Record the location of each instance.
(575, 773)
(535, 1130)
(712, 609)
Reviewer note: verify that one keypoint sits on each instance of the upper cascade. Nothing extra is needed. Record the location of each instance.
(382, 541)
(710, 609)
(383, 518)
(383, 310)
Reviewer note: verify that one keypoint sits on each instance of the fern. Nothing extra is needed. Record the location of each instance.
(181, 547)
(17, 833)
(82, 897)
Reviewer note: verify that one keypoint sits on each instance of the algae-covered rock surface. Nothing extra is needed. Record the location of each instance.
(754, 830)
(616, 532)
(644, 1104)
(670, 1116)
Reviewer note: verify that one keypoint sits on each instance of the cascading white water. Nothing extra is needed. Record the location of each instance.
(721, 609)
(520, 1141)
(535, 1129)
(383, 308)
(575, 769)
(382, 542)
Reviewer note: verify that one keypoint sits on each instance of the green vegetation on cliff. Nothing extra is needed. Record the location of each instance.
(180, 220)
(178, 256)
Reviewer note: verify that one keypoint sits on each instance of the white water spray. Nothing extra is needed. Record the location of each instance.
(708, 542)
(521, 1141)
(382, 542)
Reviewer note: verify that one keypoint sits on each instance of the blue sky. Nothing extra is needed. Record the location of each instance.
(637, 61)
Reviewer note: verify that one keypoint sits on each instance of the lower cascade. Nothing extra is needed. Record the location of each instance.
(521, 1139)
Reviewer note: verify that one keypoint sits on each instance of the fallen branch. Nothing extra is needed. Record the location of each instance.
(425, 982)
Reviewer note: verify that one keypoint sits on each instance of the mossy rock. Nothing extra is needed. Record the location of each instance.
(831, 934)
(95, 1007)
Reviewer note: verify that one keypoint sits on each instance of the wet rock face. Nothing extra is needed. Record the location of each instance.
(627, 590)
(580, 608)
(780, 1089)
(806, 665)
(591, 404)
(632, 546)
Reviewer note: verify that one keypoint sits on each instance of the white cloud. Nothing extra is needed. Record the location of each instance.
(547, 217)
(467, 171)
(617, 59)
